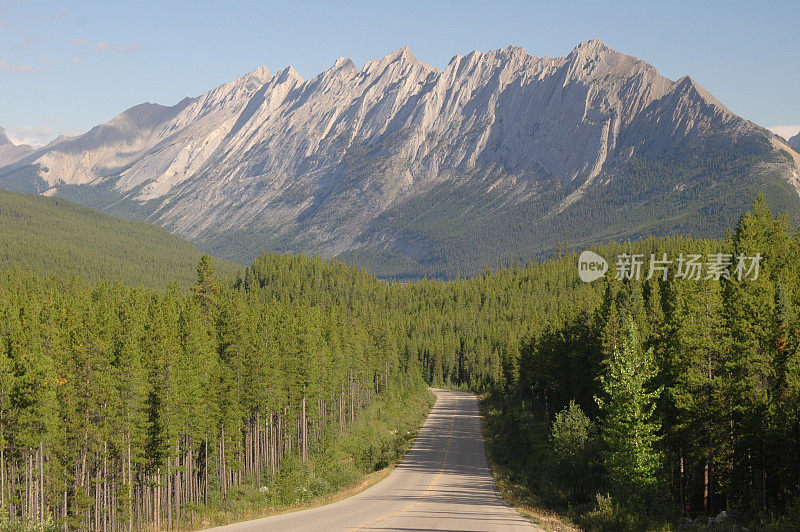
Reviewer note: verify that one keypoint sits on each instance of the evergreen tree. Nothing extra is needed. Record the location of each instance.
(628, 428)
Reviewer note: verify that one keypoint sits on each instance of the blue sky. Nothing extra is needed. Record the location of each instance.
(66, 66)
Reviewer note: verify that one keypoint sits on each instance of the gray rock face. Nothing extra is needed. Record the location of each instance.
(339, 163)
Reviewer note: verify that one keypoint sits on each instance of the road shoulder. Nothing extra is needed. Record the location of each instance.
(508, 490)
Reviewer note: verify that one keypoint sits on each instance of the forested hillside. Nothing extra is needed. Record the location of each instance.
(620, 403)
(55, 236)
(124, 407)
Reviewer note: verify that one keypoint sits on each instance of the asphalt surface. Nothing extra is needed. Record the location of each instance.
(442, 484)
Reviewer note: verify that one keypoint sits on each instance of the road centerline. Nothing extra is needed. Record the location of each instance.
(429, 488)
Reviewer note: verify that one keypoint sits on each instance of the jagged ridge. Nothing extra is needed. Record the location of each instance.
(334, 164)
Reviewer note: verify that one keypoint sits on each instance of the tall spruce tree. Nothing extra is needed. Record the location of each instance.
(628, 428)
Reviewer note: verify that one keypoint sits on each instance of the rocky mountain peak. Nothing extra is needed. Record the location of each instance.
(593, 52)
(402, 54)
(513, 56)
(592, 47)
(4, 140)
(402, 57)
(247, 83)
(288, 74)
(140, 116)
(688, 88)
(593, 60)
(10, 152)
(257, 77)
(59, 139)
(342, 71)
(343, 63)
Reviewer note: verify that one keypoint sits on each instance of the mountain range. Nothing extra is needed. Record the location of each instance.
(415, 171)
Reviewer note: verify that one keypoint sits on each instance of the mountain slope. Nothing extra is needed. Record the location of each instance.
(417, 171)
(55, 236)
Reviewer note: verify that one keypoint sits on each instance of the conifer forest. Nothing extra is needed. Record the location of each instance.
(131, 408)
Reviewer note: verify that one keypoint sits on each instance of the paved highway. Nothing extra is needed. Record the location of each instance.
(442, 484)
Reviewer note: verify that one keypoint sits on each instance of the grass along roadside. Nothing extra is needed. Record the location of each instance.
(519, 452)
(515, 493)
(350, 462)
(366, 482)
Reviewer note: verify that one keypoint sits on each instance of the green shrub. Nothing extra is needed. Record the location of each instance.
(573, 456)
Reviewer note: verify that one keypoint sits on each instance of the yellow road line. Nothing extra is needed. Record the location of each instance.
(435, 480)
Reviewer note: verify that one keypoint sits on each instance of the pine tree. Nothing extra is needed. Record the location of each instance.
(208, 288)
(628, 428)
(754, 380)
(695, 409)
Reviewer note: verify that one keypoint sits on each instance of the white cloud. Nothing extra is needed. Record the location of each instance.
(16, 68)
(786, 132)
(56, 16)
(24, 43)
(33, 135)
(108, 46)
(37, 135)
(101, 46)
(128, 48)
